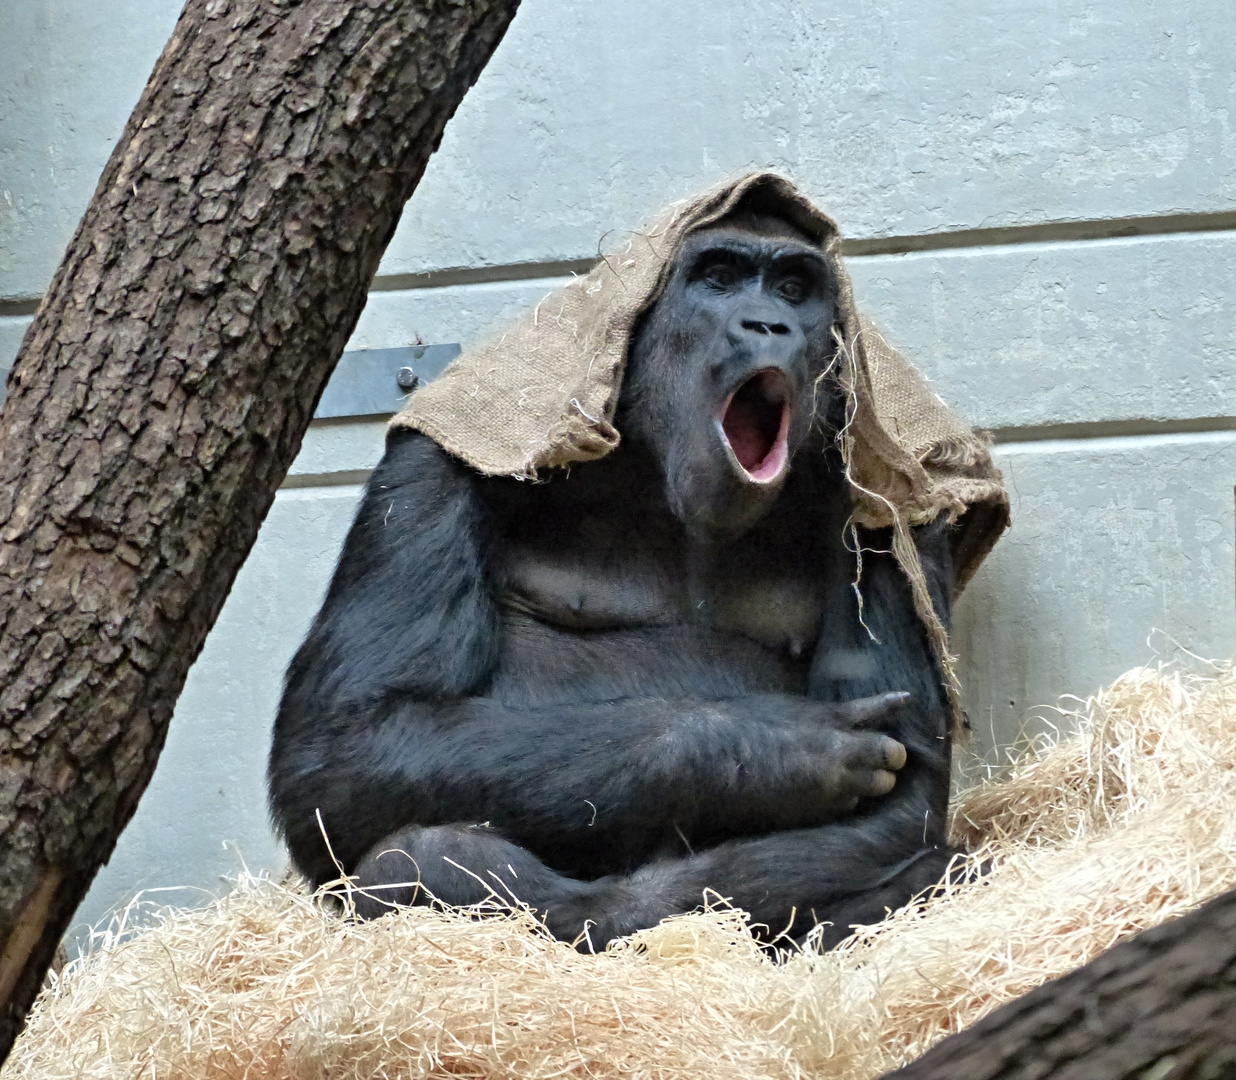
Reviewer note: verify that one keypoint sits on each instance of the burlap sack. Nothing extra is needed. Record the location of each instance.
(543, 393)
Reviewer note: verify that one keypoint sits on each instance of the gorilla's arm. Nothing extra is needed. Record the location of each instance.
(891, 652)
(384, 717)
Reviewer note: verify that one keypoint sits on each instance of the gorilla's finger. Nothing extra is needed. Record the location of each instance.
(864, 753)
(894, 753)
(877, 712)
(883, 782)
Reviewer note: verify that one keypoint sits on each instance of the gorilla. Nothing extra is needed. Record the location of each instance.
(644, 679)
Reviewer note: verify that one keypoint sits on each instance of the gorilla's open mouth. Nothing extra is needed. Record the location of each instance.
(755, 423)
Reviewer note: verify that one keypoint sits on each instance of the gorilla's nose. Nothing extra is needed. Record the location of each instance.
(757, 326)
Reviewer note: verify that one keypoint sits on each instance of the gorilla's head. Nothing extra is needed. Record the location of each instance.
(720, 383)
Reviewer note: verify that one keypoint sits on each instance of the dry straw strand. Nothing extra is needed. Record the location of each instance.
(1088, 839)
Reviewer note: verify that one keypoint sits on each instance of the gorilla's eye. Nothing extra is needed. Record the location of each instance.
(793, 289)
(721, 275)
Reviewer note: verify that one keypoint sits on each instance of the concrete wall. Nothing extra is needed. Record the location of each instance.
(1041, 200)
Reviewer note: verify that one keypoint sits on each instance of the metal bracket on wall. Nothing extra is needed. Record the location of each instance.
(377, 382)
(367, 382)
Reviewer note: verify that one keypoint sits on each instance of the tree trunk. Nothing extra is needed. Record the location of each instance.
(1159, 1007)
(166, 383)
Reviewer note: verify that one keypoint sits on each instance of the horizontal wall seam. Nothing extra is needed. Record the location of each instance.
(1048, 232)
(1003, 236)
(1109, 429)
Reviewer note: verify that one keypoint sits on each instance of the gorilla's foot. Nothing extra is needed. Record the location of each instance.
(466, 865)
(921, 875)
(456, 865)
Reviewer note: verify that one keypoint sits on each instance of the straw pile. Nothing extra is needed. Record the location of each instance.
(1126, 824)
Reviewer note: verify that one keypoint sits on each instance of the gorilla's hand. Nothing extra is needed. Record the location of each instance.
(860, 761)
(789, 761)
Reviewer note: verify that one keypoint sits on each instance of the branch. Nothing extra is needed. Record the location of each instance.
(165, 386)
(1159, 1007)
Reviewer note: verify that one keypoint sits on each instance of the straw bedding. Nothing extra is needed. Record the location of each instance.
(1089, 840)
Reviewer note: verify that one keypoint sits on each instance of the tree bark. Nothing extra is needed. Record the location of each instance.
(165, 386)
(1159, 1007)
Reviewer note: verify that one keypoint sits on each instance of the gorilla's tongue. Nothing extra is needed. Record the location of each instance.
(755, 422)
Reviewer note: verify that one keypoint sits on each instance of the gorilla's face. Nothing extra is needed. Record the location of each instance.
(720, 384)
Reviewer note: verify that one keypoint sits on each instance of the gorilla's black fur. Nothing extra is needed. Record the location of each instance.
(609, 692)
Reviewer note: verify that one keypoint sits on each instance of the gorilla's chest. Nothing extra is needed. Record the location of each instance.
(610, 575)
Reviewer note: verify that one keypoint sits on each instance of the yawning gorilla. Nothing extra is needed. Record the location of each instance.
(646, 677)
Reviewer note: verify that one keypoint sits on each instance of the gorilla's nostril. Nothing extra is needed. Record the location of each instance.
(759, 327)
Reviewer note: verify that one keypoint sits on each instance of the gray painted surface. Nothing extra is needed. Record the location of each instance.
(905, 120)
(901, 117)
(1121, 553)
(467, 311)
(1039, 334)
(332, 448)
(70, 73)
(376, 382)
(12, 330)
